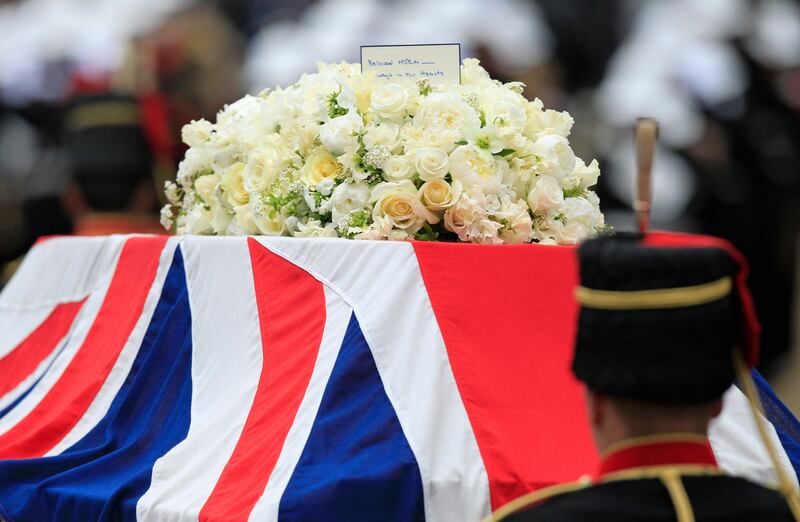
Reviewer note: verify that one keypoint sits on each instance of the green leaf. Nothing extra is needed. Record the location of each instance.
(483, 119)
(505, 152)
(573, 192)
(461, 142)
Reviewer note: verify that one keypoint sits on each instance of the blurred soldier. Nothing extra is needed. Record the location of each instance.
(661, 320)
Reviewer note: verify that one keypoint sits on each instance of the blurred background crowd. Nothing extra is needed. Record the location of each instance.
(93, 94)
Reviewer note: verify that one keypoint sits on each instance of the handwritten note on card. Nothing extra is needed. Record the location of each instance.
(437, 63)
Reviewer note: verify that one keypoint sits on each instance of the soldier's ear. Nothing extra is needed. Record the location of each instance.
(716, 408)
(596, 407)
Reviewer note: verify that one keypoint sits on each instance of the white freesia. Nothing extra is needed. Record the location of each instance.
(341, 132)
(431, 163)
(545, 194)
(341, 153)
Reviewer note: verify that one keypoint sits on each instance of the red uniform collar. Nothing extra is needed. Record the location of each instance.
(657, 450)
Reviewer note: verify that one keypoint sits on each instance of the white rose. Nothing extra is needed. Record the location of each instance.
(348, 197)
(431, 163)
(556, 156)
(397, 202)
(341, 132)
(389, 101)
(545, 194)
(475, 167)
(242, 223)
(397, 168)
(261, 170)
(383, 134)
(196, 221)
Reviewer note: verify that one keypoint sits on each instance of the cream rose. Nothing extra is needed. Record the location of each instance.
(319, 165)
(475, 167)
(397, 203)
(233, 185)
(389, 101)
(438, 195)
(431, 163)
(268, 221)
(545, 194)
(205, 186)
(397, 168)
(341, 132)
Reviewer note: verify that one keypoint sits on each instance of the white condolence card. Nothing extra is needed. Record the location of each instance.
(437, 63)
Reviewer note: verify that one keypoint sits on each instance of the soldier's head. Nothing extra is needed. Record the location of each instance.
(661, 319)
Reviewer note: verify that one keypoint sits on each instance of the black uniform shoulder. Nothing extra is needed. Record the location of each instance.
(713, 498)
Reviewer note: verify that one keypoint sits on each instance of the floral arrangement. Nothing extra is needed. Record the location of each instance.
(346, 154)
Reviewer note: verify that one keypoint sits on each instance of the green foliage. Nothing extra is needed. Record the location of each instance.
(505, 152)
(427, 233)
(573, 192)
(334, 109)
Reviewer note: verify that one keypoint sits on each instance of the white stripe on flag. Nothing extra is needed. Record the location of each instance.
(738, 447)
(61, 270)
(383, 284)
(337, 317)
(226, 366)
(122, 367)
(96, 281)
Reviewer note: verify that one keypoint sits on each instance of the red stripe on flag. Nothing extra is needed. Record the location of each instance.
(69, 398)
(508, 318)
(291, 310)
(23, 360)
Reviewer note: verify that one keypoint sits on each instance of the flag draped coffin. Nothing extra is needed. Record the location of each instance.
(225, 379)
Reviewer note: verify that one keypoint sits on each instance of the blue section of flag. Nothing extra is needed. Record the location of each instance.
(102, 476)
(785, 423)
(357, 464)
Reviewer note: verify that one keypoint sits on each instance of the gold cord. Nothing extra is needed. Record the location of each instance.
(654, 299)
(683, 508)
